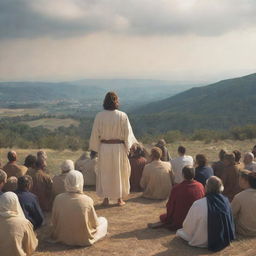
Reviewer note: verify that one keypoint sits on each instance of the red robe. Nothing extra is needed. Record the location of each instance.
(181, 199)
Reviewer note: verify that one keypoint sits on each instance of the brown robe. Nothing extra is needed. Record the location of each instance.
(230, 179)
(17, 237)
(42, 188)
(137, 166)
(218, 168)
(13, 169)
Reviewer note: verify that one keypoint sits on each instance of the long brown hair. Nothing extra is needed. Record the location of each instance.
(111, 101)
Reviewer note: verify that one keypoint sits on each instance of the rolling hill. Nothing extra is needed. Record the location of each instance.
(216, 106)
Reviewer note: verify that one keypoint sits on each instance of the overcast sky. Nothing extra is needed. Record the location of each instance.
(179, 40)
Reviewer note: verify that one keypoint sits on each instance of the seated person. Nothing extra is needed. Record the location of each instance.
(218, 166)
(42, 186)
(209, 222)
(74, 219)
(165, 153)
(29, 202)
(58, 186)
(81, 160)
(157, 177)
(30, 163)
(12, 168)
(3, 180)
(230, 177)
(11, 184)
(244, 205)
(16, 233)
(89, 169)
(179, 162)
(238, 156)
(203, 172)
(42, 157)
(182, 196)
(249, 163)
(137, 162)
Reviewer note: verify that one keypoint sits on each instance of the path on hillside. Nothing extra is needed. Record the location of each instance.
(129, 236)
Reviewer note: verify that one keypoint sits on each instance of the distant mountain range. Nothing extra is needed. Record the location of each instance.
(88, 92)
(216, 106)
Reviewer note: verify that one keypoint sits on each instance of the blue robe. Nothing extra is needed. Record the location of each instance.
(221, 230)
(30, 206)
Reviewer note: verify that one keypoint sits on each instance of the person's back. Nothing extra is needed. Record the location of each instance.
(74, 219)
(88, 170)
(78, 208)
(230, 177)
(58, 184)
(203, 173)
(17, 237)
(244, 205)
(29, 202)
(137, 166)
(156, 180)
(42, 188)
(218, 166)
(13, 169)
(178, 164)
(182, 197)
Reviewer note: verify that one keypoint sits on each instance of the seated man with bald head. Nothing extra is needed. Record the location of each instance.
(209, 222)
(12, 168)
(157, 177)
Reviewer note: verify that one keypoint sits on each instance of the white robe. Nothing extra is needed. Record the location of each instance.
(195, 225)
(113, 164)
(178, 164)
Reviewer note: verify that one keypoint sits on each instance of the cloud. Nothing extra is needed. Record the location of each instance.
(68, 18)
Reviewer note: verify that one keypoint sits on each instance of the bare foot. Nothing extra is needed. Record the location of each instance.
(105, 202)
(120, 202)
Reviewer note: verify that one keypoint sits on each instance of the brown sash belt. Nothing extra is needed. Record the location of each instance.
(114, 141)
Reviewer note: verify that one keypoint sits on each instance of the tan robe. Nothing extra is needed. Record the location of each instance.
(13, 169)
(244, 211)
(113, 164)
(74, 219)
(17, 237)
(157, 179)
(89, 170)
(42, 188)
(58, 186)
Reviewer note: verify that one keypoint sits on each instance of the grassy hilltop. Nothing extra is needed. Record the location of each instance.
(128, 233)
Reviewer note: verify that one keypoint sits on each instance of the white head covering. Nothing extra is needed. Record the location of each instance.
(67, 165)
(10, 206)
(74, 182)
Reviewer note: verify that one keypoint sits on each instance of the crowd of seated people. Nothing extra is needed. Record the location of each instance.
(200, 198)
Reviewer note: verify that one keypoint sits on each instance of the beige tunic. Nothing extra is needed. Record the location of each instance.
(113, 164)
(58, 186)
(244, 211)
(17, 237)
(74, 219)
(89, 170)
(157, 179)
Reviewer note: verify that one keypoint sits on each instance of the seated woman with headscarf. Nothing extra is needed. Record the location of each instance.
(16, 233)
(209, 222)
(74, 219)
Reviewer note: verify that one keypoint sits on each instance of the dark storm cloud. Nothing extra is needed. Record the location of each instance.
(67, 18)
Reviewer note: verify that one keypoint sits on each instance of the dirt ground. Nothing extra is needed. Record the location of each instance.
(128, 234)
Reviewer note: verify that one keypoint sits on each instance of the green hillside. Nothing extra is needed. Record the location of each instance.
(217, 106)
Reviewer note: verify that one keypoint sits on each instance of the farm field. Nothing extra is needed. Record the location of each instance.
(128, 234)
(7, 112)
(52, 123)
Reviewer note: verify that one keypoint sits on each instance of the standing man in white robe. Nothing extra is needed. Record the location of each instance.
(112, 137)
